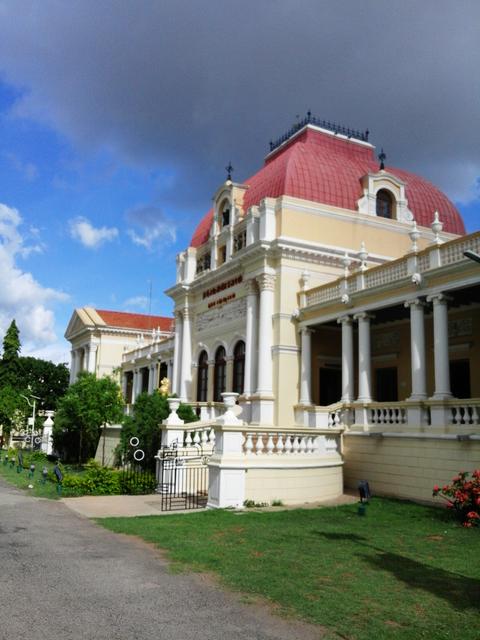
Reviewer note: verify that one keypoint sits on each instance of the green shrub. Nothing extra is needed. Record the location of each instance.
(96, 480)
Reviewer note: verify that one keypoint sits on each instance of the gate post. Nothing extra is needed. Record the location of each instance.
(171, 427)
(226, 468)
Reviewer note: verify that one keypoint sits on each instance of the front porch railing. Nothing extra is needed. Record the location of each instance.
(451, 416)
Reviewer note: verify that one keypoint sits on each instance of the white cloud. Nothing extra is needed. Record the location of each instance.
(22, 297)
(153, 229)
(136, 302)
(91, 237)
(57, 352)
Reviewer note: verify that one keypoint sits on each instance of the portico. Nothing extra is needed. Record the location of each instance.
(409, 336)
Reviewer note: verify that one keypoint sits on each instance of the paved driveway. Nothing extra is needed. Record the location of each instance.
(64, 577)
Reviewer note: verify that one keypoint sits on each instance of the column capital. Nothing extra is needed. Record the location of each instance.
(251, 287)
(439, 298)
(266, 281)
(186, 313)
(306, 331)
(414, 302)
(345, 320)
(363, 315)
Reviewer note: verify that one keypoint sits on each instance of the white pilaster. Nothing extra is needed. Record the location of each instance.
(440, 346)
(266, 284)
(417, 349)
(364, 358)
(177, 353)
(251, 337)
(347, 358)
(186, 366)
(306, 367)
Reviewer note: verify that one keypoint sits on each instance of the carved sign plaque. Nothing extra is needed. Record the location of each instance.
(220, 316)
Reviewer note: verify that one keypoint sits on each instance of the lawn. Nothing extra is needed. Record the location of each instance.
(402, 571)
(22, 480)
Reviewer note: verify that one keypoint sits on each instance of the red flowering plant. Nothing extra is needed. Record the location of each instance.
(463, 497)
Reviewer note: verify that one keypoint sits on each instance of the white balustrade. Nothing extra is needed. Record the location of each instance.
(464, 414)
(387, 415)
(276, 443)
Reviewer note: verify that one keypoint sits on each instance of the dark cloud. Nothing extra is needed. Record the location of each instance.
(149, 228)
(189, 85)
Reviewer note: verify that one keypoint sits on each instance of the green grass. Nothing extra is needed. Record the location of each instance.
(22, 480)
(403, 571)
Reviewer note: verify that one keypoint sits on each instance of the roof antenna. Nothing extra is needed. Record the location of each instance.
(149, 297)
(382, 157)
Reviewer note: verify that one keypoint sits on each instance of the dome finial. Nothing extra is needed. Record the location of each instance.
(229, 171)
(382, 157)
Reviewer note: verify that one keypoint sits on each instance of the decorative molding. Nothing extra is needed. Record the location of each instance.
(285, 348)
(220, 316)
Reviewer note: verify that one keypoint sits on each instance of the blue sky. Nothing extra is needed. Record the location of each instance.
(117, 120)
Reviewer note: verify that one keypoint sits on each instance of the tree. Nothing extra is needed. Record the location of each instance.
(149, 411)
(10, 364)
(44, 379)
(86, 406)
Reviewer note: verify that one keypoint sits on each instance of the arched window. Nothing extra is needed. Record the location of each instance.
(384, 204)
(238, 367)
(220, 376)
(202, 378)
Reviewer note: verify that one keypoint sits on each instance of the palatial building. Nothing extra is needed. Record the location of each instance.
(100, 339)
(331, 293)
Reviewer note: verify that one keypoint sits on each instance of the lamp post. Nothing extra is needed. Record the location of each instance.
(34, 398)
(471, 255)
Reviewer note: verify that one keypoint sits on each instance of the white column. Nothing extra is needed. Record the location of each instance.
(251, 337)
(440, 346)
(347, 358)
(92, 354)
(364, 358)
(73, 365)
(306, 367)
(136, 376)
(417, 349)
(186, 362)
(177, 353)
(170, 373)
(266, 284)
(151, 378)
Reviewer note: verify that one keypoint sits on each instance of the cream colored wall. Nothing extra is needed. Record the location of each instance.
(286, 362)
(294, 486)
(110, 352)
(406, 467)
(347, 229)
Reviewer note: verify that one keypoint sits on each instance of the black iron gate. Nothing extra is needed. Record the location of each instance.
(137, 473)
(182, 478)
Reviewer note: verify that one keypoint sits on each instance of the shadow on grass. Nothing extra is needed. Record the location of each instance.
(461, 592)
(351, 537)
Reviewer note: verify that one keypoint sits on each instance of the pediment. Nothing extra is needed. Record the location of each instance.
(83, 319)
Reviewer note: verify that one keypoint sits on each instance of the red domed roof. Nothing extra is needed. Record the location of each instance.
(324, 168)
